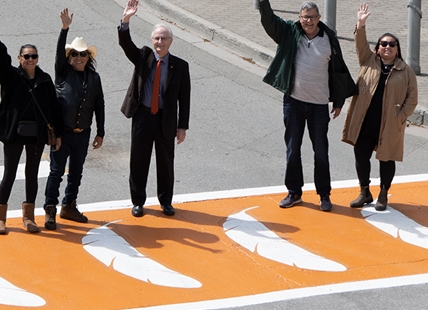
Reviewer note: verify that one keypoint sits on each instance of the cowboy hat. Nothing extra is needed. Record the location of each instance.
(79, 45)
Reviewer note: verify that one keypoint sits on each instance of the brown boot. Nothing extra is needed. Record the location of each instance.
(382, 200)
(28, 217)
(364, 197)
(3, 210)
(70, 212)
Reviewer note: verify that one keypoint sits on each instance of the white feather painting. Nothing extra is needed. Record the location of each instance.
(397, 225)
(256, 237)
(12, 295)
(111, 249)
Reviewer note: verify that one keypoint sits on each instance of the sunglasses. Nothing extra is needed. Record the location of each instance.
(386, 43)
(28, 56)
(82, 54)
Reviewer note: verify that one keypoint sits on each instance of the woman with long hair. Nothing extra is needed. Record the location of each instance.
(27, 98)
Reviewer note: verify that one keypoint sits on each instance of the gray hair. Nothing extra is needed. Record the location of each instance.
(307, 5)
(162, 26)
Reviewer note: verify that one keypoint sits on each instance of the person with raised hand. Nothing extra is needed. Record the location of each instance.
(80, 95)
(376, 118)
(309, 69)
(158, 101)
(28, 100)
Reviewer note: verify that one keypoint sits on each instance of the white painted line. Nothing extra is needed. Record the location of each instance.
(235, 193)
(20, 173)
(296, 293)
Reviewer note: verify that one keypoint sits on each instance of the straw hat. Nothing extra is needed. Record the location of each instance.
(79, 45)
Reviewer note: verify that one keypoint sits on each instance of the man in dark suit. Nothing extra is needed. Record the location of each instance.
(160, 87)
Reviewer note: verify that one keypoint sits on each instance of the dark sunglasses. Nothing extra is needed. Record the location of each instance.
(82, 54)
(386, 43)
(28, 56)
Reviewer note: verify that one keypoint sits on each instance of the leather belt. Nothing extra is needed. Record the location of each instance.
(75, 130)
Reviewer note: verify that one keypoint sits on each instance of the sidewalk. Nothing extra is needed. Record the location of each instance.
(235, 24)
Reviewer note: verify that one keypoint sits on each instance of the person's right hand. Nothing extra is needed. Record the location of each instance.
(130, 10)
(66, 19)
(363, 14)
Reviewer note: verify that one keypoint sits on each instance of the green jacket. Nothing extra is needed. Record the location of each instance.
(287, 34)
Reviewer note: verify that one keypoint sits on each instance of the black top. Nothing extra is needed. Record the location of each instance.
(372, 120)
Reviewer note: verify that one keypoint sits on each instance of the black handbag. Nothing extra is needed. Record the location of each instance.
(27, 128)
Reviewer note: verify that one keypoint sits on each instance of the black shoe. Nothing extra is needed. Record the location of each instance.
(290, 200)
(168, 209)
(137, 211)
(50, 217)
(70, 212)
(325, 203)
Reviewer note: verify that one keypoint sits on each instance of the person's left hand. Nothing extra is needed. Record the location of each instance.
(57, 145)
(66, 18)
(335, 112)
(98, 142)
(181, 135)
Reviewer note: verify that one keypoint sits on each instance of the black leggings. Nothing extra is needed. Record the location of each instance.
(12, 155)
(363, 151)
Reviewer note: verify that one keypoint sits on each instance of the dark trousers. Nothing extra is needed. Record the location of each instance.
(146, 129)
(363, 150)
(12, 154)
(296, 115)
(74, 147)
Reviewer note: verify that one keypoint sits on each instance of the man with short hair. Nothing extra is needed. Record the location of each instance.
(159, 87)
(310, 70)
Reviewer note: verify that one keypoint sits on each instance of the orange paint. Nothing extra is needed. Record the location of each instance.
(55, 266)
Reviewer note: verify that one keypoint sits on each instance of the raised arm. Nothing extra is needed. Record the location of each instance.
(5, 63)
(61, 63)
(361, 45)
(131, 50)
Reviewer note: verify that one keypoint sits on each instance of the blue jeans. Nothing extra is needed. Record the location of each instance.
(296, 115)
(74, 147)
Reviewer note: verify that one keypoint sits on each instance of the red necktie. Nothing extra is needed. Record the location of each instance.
(156, 87)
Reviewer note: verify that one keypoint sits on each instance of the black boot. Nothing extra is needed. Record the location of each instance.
(382, 200)
(50, 217)
(364, 197)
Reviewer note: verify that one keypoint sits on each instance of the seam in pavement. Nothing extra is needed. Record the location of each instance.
(212, 32)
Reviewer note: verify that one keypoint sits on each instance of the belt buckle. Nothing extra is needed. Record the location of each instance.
(77, 130)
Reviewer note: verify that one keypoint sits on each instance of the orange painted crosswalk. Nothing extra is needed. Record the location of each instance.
(214, 249)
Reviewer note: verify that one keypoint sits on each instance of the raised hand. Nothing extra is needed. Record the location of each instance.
(130, 10)
(65, 18)
(362, 15)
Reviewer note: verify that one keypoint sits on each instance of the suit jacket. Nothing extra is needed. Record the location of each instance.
(177, 89)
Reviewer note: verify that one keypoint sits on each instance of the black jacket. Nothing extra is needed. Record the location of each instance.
(79, 101)
(15, 97)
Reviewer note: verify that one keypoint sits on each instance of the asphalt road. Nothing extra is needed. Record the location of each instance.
(236, 133)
